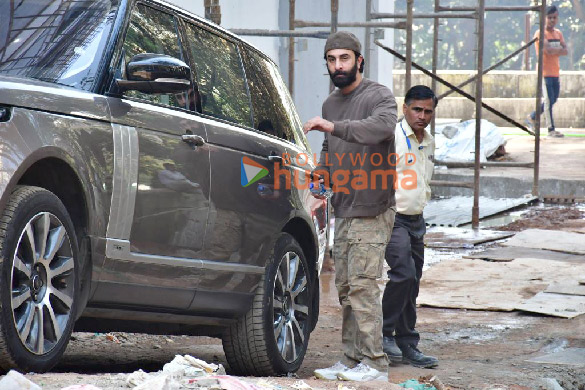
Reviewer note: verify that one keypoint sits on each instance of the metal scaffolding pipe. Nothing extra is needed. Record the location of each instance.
(398, 25)
(435, 59)
(367, 43)
(535, 189)
(291, 47)
(460, 164)
(447, 183)
(526, 64)
(499, 8)
(381, 15)
(280, 33)
(478, 98)
(334, 25)
(408, 64)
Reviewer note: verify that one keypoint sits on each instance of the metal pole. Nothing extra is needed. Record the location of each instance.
(526, 38)
(408, 74)
(334, 12)
(379, 15)
(280, 33)
(307, 23)
(500, 8)
(478, 98)
(435, 59)
(291, 47)
(367, 43)
(535, 189)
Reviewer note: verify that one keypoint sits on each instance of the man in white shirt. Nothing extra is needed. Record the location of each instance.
(415, 147)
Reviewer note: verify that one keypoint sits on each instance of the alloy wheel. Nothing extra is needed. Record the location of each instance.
(43, 283)
(291, 298)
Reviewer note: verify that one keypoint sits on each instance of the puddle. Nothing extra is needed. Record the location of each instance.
(500, 219)
(555, 345)
(482, 333)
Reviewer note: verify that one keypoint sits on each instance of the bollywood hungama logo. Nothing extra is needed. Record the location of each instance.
(251, 171)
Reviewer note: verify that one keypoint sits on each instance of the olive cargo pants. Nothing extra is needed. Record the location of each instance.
(358, 253)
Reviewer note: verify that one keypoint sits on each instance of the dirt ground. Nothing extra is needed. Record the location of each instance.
(478, 350)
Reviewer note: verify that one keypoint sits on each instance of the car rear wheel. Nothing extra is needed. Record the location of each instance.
(272, 338)
(39, 288)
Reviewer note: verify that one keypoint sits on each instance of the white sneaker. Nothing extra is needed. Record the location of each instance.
(362, 373)
(330, 373)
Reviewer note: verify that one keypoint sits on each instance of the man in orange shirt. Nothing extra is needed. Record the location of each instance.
(554, 47)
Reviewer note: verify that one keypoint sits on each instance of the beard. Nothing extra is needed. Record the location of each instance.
(342, 79)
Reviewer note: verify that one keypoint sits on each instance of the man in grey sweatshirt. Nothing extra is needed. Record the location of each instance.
(358, 159)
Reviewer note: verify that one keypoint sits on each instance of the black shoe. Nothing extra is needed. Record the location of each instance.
(391, 349)
(411, 355)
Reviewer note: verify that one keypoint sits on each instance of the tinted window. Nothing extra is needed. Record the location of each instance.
(220, 76)
(55, 41)
(152, 31)
(271, 101)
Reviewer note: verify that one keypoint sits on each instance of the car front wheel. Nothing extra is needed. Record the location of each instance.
(40, 280)
(272, 338)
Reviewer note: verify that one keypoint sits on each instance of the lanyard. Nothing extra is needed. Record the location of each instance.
(408, 144)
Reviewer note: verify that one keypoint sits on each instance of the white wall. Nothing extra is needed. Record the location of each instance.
(257, 14)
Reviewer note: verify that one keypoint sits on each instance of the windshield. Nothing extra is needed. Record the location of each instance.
(59, 41)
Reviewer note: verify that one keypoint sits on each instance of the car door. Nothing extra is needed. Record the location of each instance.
(246, 210)
(160, 203)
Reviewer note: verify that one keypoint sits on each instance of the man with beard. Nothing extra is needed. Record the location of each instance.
(358, 120)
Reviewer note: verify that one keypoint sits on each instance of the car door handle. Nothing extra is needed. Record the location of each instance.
(192, 139)
(275, 157)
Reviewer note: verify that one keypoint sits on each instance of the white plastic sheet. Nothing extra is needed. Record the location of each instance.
(455, 142)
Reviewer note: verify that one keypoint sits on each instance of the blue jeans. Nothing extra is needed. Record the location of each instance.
(553, 89)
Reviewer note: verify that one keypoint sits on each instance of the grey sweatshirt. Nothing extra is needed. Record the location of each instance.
(359, 155)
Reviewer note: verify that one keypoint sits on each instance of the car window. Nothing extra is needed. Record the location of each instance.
(153, 31)
(220, 76)
(271, 101)
(58, 41)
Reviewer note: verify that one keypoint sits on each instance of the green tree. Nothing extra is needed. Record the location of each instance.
(504, 33)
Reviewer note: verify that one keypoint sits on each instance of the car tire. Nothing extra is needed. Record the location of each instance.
(272, 338)
(38, 293)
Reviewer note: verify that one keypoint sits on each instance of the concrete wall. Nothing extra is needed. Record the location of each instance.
(510, 92)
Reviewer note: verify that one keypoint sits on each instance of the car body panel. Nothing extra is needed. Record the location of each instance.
(193, 249)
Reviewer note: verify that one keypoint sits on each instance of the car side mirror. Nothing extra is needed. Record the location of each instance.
(155, 73)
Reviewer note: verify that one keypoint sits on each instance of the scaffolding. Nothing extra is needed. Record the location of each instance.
(477, 13)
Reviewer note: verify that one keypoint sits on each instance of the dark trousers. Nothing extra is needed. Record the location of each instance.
(553, 89)
(405, 257)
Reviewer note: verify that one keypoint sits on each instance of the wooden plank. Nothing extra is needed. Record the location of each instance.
(558, 305)
(554, 240)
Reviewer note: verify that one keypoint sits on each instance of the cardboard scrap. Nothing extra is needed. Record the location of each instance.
(554, 240)
(482, 285)
(558, 305)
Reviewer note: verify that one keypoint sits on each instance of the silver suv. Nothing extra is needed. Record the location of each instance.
(152, 179)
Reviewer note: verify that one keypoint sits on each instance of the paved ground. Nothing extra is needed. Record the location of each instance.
(560, 158)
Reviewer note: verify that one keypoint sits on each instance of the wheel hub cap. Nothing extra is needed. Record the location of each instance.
(37, 284)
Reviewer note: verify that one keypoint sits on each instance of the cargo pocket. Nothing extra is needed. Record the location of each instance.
(367, 244)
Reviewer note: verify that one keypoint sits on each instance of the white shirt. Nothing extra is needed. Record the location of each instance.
(414, 169)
